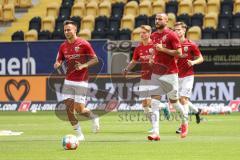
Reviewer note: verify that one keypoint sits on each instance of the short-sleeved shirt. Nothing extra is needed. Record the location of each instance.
(142, 54)
(189, 50)
(164, 63)
(78, 51)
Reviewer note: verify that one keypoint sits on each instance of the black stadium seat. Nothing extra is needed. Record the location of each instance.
(18, 36)
(35, 23)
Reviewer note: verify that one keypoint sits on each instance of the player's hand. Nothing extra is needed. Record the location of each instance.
(190, 63)
(159, 47)
(125, 71)
(151, 60)
(57, 65)
(80, 66)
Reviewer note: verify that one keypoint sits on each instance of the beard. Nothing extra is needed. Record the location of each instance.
(160, 26)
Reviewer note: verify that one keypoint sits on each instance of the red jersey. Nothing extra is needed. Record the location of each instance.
(142, 53)
(78, 51)
(164, 63)
(190, 50)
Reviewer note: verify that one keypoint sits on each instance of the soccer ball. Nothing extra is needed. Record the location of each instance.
(70, 142)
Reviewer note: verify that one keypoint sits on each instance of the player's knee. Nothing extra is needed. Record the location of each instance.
(146, 103)
(79, 107)
(69, 102)
(183, 100)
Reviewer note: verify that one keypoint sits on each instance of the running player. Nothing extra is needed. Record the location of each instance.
(165, 73)
(191, 56)
(79, 56)
(143, 53)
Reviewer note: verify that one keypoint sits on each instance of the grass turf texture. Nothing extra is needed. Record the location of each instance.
(218, 137)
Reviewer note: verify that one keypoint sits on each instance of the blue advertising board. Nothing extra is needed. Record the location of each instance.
(30, 58)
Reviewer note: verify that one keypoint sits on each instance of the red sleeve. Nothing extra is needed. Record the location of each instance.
(195, 50)
(135, 54)
(89, 50)
(175, 40)
(60, 56)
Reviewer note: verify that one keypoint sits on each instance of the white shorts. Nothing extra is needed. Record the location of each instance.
(165, 85)
(75, 90)
(144, 89)
(185, 86)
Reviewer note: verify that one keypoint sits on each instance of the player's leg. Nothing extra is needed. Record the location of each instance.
(173, 98)
(154, 116)
(68, 95)
(144, 95)
(79, 105)
(185, 94)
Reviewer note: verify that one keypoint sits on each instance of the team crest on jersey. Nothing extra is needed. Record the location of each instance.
(151, 51)
(164, 38)
(77, 49)
(185, 49)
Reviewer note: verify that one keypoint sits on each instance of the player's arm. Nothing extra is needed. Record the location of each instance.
(129, 67)
(198, 58)
(93, 61)
(93, 58)
(170, 52)
(59, 59)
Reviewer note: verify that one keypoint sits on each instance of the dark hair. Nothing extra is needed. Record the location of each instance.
(66, 22)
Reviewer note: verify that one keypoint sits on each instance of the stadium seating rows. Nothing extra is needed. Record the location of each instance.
(120, 19)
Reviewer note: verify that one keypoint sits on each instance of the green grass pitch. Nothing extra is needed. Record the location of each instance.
(122, 136)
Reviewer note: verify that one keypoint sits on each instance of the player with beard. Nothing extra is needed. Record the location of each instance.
(165, 73)
(143, 54)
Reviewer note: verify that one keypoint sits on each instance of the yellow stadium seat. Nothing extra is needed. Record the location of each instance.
(25, 3)
(105, 9)
(85, 34)
(2, 2)
(1, 12)
(92, 9)
(136, 34)
(15, 2)
(194, 33)
(48, 23)
(52, 9)
(131, 8)
(31, 35)
(185, 7)
(145, 8)
(199, 6)
(210, 20)
(88, 22)
(158, 7)
(78, 9)
(114, 1)
(236, 7)
(8, 12)
(81, 1)
(95, 1)
(128, 22)
(213, 6)
(171, 20)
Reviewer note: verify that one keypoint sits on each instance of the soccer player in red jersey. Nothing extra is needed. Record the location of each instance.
(143, 54)
(165, 72)
(191, 56)
(79, 56)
